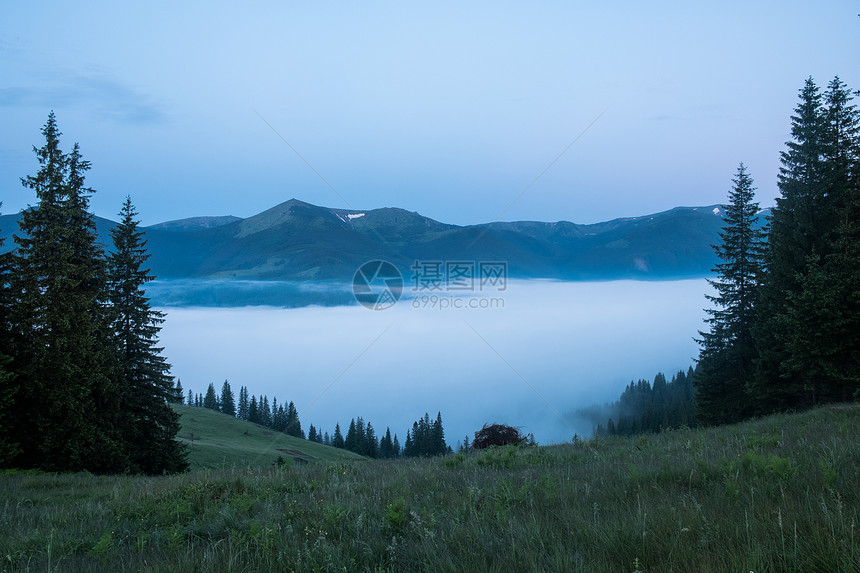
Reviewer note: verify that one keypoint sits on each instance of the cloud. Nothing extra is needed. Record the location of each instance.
(106, 97)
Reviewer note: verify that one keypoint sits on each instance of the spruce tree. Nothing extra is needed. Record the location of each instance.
(337, 439)
(228, 404)
(842, 264)
(386, 445)
(727, 353)
(211, 399)
(841, 153)
(425, 435)
(807, 336)
(280, 423)
(178, 393)
(795, 233)
(361, 446)
(265, 411)
(8, 389)
(66, 414)
(149, 423)
(409, 446)
(466, 446)
(438, 447)
(843, 278)
(370, 443)
(294, 425)
(823, 314)
(242, 412)
(8, 380)
(426, 438)
(350, 442)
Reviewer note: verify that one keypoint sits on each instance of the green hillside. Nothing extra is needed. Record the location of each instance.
(217, 441)
(777, 494)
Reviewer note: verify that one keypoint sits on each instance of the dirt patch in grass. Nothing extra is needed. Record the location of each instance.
(293, 452)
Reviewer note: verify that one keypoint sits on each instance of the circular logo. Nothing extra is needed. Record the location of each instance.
(377, 285)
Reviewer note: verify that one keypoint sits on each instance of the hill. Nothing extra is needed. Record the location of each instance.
(780, 493)
(296, 243)
(218, 441)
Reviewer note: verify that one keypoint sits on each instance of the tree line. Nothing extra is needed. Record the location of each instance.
(83, 384)
(426, 438)
(255, 410)
(647, 407)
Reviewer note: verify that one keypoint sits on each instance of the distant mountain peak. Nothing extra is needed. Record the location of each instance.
(284, 214)
(195, 223)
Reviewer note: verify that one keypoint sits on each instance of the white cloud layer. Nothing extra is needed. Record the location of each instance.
(553, 348)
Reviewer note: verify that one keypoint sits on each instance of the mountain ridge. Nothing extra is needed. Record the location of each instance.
(299, 241)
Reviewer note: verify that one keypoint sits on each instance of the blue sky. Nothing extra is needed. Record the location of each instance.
(460, 111)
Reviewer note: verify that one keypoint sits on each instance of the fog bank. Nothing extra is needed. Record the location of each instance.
(527, 356)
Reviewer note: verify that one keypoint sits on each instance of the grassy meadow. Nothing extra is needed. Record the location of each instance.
(219, 442)
(776, 494)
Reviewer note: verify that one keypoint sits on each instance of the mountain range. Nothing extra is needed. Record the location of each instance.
(301, 242)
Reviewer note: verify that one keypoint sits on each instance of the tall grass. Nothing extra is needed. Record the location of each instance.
(776, 494)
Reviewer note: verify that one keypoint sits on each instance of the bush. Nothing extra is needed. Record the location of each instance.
(497, 435)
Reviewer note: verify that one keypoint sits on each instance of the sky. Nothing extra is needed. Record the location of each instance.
(464, 112)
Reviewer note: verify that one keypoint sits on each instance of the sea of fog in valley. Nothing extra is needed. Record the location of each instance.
(531, 357)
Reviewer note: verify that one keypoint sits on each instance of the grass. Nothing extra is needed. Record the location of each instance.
(775, 494)
(216, 441)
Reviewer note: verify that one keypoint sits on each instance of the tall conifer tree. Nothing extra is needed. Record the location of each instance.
(8, 380)
(727, 353)
(210, 400)
(228, 403)
(242, 412)
(823, 314)
(294, 425)
(66, 411)
(149, 423)
(337, 439)
(793, 235)
(809, 306)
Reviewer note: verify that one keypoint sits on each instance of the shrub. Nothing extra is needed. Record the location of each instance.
(497, 435)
